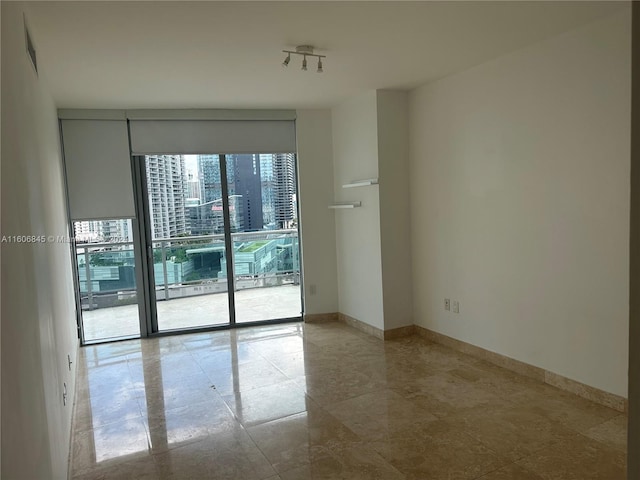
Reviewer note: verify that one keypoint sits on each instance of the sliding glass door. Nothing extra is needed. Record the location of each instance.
(190, 290)
(266, 260)
(222, 239)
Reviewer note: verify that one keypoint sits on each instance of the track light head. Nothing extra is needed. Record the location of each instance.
(304, 51)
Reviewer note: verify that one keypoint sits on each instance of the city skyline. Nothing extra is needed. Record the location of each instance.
(185, 197)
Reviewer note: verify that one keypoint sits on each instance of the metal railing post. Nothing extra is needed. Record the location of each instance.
(164, 270)
(88, 274)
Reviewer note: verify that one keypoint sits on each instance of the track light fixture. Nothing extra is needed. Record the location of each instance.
(305, 51)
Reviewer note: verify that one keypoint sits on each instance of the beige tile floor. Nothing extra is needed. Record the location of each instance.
(324, 401)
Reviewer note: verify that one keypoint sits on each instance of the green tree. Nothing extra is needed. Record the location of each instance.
(103, 260)
(192, 277)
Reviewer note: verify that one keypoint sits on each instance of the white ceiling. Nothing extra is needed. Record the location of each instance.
(228, 54)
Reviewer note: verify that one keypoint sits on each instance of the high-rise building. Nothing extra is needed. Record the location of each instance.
(167, 190)
(244, 185)
(278, 190)
(107, 231)
(246, 182)
(117, 230)
(267, 180)
(193, 186)
(87, 231)
(209, 178)
(284, 189)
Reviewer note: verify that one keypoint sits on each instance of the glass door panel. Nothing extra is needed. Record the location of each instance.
(188, 244)
(107, 279)
(267, 283)
(264, 226)
(223, 233)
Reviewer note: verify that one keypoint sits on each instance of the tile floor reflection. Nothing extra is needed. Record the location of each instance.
(326, 401)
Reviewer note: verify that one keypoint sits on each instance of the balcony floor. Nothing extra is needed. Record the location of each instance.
(252, 305)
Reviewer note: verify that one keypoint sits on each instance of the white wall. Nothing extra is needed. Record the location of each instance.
(317, 225)
(520, 204)
(395, 229)
(38, 309)
(355, 157)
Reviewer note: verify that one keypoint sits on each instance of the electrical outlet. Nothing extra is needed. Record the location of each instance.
(456, 306)
(447, 304)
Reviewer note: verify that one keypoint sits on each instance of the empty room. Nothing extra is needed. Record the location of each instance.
(320, 240)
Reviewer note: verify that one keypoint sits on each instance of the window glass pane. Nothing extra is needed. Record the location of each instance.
(187, 225)
(265, 241)
(107, 278)
(187, 228)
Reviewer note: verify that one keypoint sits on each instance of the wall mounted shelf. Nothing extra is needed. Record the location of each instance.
(345, 205)
(361, 183)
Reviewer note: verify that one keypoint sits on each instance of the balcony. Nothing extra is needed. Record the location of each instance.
(191, 282)
(252, 305)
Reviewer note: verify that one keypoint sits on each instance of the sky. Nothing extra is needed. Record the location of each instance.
(191, 164)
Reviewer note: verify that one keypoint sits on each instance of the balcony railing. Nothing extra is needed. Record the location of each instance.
(106, 274)
(188, 266)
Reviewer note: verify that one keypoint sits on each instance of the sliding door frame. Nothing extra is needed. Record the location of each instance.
(72, 243)
(228, 241)
(144, 250)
